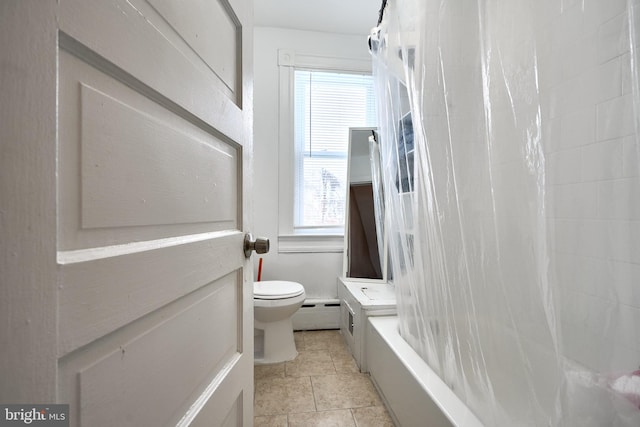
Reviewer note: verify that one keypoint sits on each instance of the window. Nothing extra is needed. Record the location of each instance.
(326, 105)
(320, 98)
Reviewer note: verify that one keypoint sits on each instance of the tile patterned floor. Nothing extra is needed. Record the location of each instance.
(321, 387)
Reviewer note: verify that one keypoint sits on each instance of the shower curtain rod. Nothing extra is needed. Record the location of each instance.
(381, 12)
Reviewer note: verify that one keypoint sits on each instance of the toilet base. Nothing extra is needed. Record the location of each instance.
(274, 342)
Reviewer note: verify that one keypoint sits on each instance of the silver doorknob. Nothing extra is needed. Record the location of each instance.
(260, 245)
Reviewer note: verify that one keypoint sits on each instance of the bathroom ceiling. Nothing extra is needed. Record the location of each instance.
(334, 16)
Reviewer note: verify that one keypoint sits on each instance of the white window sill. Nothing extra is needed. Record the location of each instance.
(310, 243)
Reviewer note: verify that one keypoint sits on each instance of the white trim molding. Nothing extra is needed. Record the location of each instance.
(290, 58)
(318, 243)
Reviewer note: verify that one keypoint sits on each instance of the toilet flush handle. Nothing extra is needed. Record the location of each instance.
(260, 245)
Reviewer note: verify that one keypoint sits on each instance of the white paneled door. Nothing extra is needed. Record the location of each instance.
(126, 142)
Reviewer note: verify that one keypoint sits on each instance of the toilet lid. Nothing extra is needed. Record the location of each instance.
(276, 289)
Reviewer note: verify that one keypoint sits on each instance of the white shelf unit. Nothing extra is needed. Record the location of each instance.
(361, 299)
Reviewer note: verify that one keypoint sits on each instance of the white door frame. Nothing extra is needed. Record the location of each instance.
(28, 132)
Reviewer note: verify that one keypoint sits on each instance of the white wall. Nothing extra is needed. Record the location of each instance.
(316, 271)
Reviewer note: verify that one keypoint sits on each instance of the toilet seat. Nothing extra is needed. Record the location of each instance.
(276, 289)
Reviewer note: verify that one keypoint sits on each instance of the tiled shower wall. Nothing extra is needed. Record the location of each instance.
(593, 190)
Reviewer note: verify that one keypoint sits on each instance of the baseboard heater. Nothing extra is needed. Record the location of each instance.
(317, 314)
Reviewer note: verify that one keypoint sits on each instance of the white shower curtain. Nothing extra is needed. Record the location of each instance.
(508, 138)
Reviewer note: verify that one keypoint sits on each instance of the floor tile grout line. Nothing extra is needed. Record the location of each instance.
(355, 422)
(313, 393)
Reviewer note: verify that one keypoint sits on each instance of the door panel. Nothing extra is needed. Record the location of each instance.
(154, 304)
(109, 290)
(221, 24)
(160, 369)
(135, 37)
(119, 189)
(187, 353)
(128, 162)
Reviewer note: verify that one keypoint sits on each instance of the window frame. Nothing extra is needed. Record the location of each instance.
(311, 239)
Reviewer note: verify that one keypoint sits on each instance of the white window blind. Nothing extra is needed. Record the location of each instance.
(327, 104)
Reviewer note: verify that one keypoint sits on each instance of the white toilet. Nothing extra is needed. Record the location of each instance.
(274, 303)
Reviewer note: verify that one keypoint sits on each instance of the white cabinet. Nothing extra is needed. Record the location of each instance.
(359, 300)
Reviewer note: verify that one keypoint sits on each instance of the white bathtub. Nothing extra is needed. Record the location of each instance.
(413, 393)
